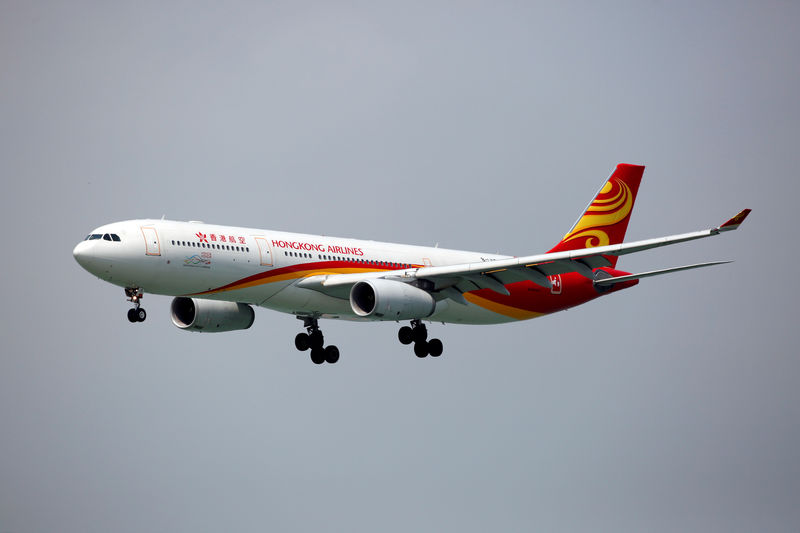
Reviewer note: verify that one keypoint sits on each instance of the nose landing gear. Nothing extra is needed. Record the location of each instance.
(418, 334)
(316, 342)
(137, 314)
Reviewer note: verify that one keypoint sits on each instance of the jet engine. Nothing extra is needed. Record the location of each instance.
(382, 299)
(210, 316)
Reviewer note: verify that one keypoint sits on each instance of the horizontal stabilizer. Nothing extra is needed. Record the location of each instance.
(619, 279)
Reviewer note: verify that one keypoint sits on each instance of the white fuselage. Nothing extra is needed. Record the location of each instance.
(259, 267)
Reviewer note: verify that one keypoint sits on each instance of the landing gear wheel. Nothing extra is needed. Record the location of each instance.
(406, 335)
(313, 339)
(302, 342)
(435, 347)
(317, 356)
(134, 295)
(421, 349)
(316, 339)
(331, 354)
(420, 333)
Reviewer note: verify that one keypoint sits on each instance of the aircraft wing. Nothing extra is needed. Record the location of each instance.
(453, 280)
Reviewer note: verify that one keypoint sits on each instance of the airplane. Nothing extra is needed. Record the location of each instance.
(217, 273)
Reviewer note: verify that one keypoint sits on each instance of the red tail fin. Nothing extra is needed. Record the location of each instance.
(606, 218)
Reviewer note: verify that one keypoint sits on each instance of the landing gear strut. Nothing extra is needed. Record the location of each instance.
(316, 342)
(418, 334)
(137, 314)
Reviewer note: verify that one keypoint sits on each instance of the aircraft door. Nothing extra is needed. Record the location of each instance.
(264, 251)
(151, 243)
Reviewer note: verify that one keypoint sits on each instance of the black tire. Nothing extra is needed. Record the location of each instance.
(331, 354)
(302, 342)
(420, 333)
(132, 315)
(317, 340)
(141, 314)
(421, 349)
(317, 356)
(405, 335)
(435, 347)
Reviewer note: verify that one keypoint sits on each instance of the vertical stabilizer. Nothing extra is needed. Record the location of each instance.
(605, 219)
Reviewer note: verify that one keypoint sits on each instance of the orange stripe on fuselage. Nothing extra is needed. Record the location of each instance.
(294, 272)
(501, 309)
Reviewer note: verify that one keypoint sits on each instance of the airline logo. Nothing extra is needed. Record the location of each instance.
(612, 205)
(314, 247)
(231, 239)
(555, 284)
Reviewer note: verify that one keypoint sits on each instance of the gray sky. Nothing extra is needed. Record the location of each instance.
(672, 406)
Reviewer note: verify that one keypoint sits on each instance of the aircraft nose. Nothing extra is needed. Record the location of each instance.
(82, 254)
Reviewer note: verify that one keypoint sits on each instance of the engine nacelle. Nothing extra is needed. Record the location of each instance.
(383, 299)
(210, 316)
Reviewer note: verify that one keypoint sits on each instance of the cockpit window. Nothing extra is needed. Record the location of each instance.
(105, 236)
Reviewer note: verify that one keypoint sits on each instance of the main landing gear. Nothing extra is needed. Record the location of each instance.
(314, 340)
(137, 314)
(418, 334)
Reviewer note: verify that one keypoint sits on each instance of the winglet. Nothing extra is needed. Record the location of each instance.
(735, 221)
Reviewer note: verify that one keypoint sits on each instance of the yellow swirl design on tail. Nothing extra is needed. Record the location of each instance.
(603, 212)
